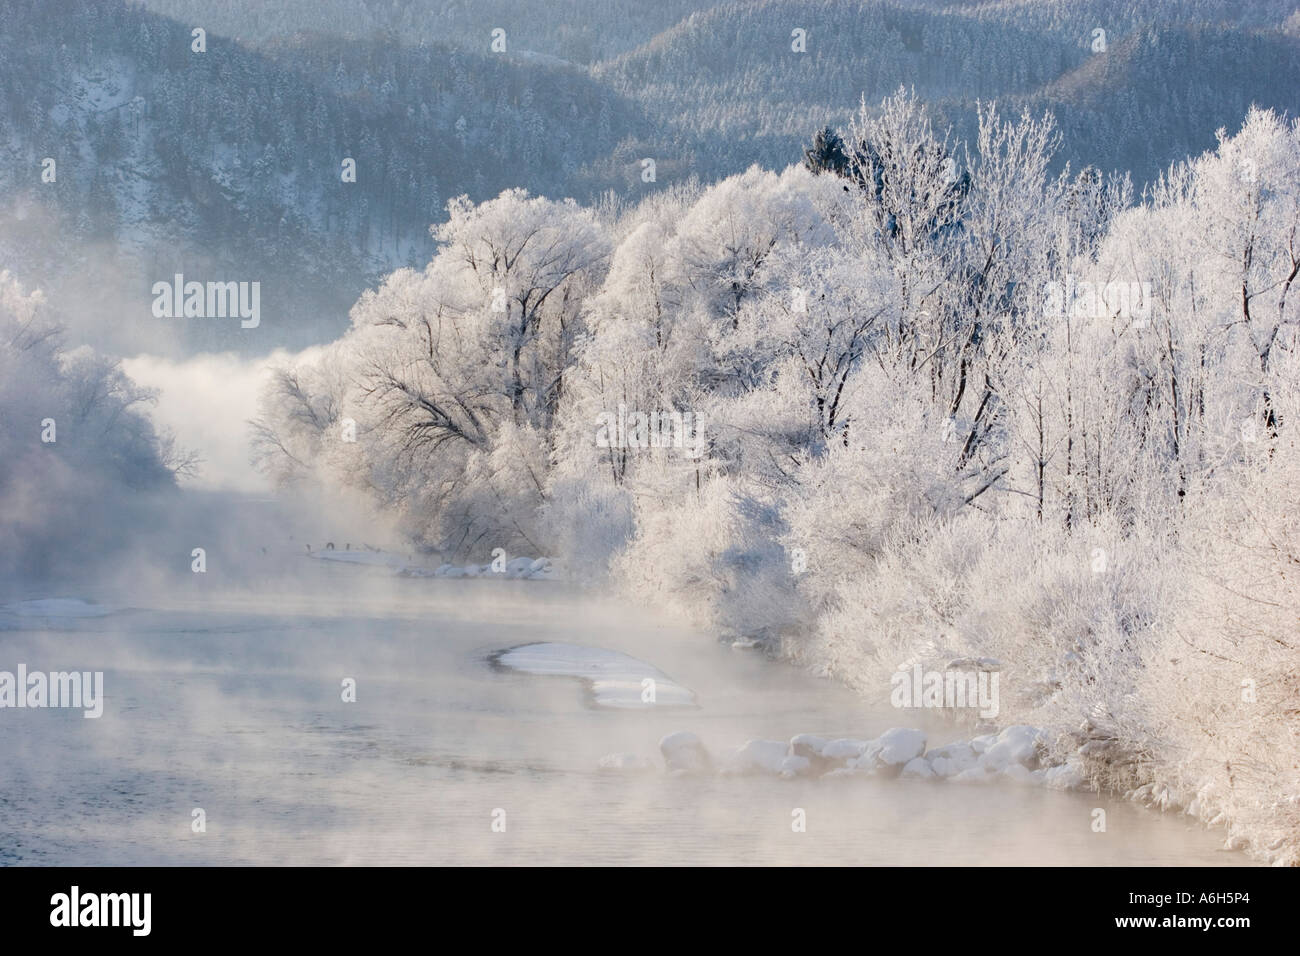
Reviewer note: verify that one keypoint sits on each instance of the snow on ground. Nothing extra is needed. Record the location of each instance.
(616, 680)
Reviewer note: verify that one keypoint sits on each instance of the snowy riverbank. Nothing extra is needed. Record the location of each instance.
(531, 569)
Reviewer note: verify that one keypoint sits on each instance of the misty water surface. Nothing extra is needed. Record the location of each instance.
(229, 700)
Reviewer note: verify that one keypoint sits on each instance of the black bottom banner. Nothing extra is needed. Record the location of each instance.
(334, 905)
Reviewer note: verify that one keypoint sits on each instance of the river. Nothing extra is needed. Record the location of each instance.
(231, 702)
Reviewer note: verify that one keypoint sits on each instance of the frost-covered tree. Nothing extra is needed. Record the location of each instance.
(73, 439)
(455, 373)
(1248, 212)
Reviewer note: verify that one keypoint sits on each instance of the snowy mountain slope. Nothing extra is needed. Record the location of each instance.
(228, 164)
(730, 76)
(581, 31)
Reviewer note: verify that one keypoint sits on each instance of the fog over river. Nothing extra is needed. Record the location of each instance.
(229, 698)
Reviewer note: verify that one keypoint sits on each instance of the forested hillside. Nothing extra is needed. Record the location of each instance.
(229, 162)
(579, 31)
(1126, 81)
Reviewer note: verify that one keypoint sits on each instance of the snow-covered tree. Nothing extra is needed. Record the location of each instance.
(454, 374)
(73, 439)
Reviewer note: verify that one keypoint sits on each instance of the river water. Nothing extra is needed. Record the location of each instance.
(231, 702)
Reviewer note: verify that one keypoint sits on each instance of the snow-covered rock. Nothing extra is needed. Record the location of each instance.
(683, 751)
(1066, 776)
(899, 746)
(844, 772)
(891, 751)
(760, 756)
(796, 766)
(974, 775)
(1016, 745)
(917, 767)
(844, 748)
(1012, 755)
(1023, 775)
(951, 759)
(807, 745)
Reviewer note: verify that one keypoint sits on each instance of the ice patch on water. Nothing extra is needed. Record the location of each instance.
(615, 679)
